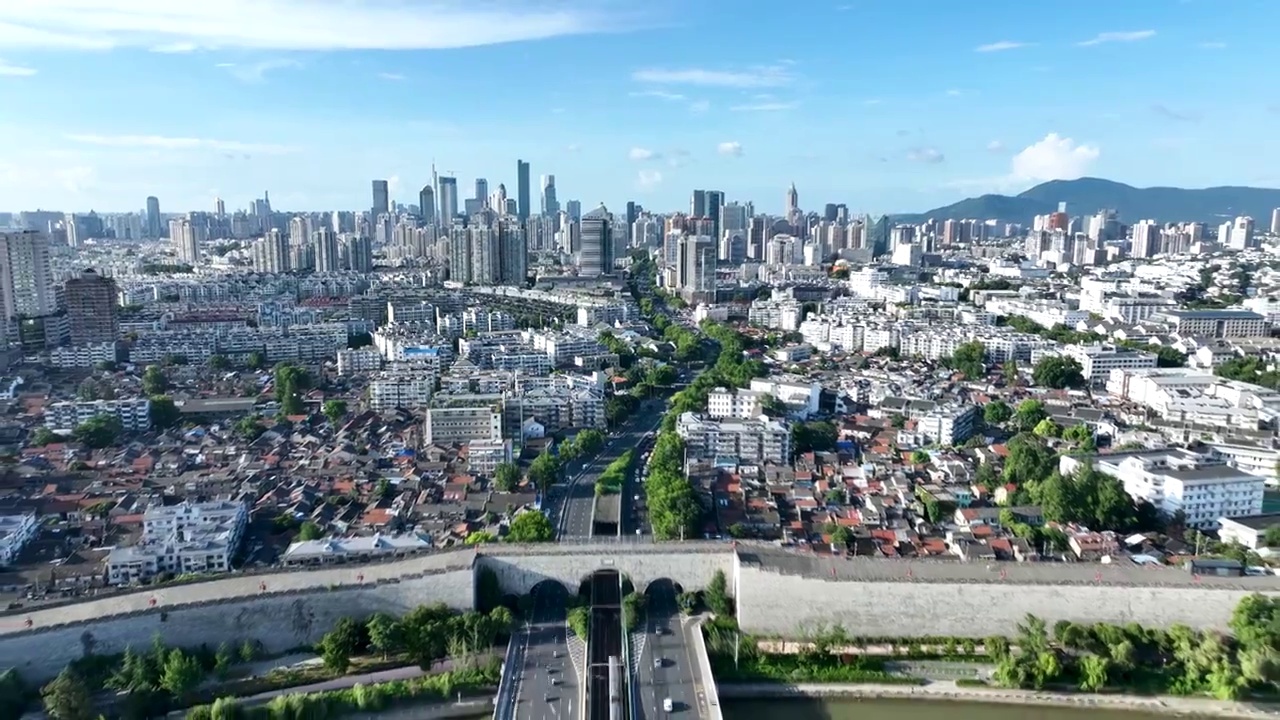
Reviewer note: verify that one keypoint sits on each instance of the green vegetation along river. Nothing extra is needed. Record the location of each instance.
(852, 709)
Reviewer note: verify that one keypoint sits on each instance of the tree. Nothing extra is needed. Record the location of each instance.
(223, 660)
(717, 595)
(531, 526)
(257, 360)
(1047, 428)
(970, 359)
(290, 381)
(154, 381)
(997, 412)
(67, 697)
(1272, 536)
(506, 476)
(99, 431)
(1057, 371)
(164, 414)
(813, 436)
(248, 651)
(181, 674)
(920, 457)
(249, 427)
(309, 531)
(1028, 415)
(384, 633)
(338, 645)
(219, 363)
(1010, 371)
(335, 410)
(544, 471)
(579, 621)
(842, 536)
(13, 694)
(42, 436)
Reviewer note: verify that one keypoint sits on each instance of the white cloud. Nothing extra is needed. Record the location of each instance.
(1213, 45)
(1001, 46)
(1053, 158)
(872, 101)
(394, 77)
(640, 154)
(731, 149)
(755, 77)
(7, 70)
(698, 107)
(176, 48)
(995, 146)
(954, 93)
(764, 107)
(1110, 37)
(659, 94)
(648, 179)
(161, 142)
(573, 148)
(928, 155)
(257, 72)
(290, 24)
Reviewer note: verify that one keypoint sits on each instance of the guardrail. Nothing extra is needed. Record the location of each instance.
(504, 701)
(708, 678)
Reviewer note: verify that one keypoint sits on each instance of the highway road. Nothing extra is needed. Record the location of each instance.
(572, 501)
(547, 685)
(667, 666)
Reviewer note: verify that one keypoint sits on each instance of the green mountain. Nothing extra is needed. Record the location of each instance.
(1088, 195)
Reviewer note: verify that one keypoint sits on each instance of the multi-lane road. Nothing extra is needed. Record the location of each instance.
(546, 686)
(667, 667)
(572, 502)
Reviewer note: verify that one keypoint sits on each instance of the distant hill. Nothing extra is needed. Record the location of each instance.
(1088, 195)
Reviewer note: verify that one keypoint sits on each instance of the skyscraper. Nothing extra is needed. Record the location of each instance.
(632, 215)
(550, 206)
(381, 199)
(154, 231)
(219, 208)
(427, 205)
(596, 256)
(26, 278)
(448, 199)
(792, 202)
(522, 190)
(271, 253)
(482, 191)
(92, 303)
(707, 204)
(573, 209)
(359, 254)
(1275, 221)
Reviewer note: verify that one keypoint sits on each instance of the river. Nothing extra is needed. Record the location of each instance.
(848, 709)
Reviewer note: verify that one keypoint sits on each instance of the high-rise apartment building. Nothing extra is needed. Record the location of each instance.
(522, 190)
(187, 237)
(448, 199)
(1275, 221)
(482, 192)
(596, 256)
(381, 199)
(1146, 239)
(26, 278)
(92, 309)
(359, 254)
(1242, 237)
(271, 253)
(325, 243)
(154, 230)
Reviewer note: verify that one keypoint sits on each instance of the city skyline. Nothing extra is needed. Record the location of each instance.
(624, 101)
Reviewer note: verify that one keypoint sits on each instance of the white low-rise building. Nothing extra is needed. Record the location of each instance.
(749, 441)
(188, 538)
(1247, 530)
(1097, 361)
(1203, 488)
(134, 414)
(734, 403)
(1194, 396)
(801, 396)
(357, 549)
(15, 532)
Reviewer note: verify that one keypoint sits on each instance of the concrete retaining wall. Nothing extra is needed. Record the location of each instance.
(279, 621)
(771, 603)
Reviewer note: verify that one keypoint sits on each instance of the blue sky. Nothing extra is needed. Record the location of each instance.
(886, 105)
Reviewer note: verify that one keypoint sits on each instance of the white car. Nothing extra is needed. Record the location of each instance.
(667, 705)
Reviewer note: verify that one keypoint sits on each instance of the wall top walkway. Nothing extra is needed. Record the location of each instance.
(1121, 572)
